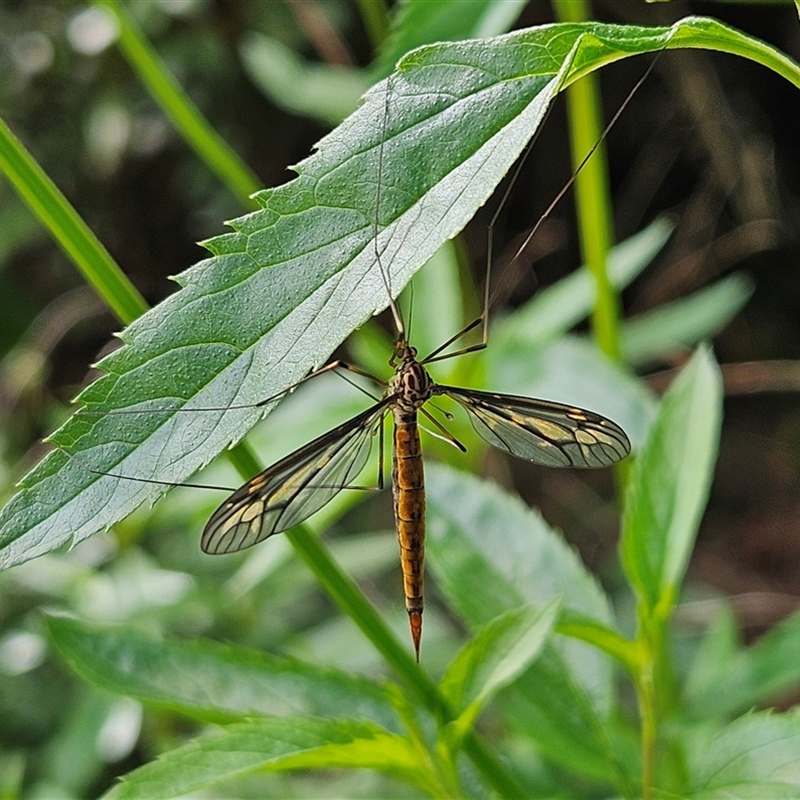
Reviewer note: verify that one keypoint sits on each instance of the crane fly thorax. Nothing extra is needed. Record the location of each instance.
(411, 385)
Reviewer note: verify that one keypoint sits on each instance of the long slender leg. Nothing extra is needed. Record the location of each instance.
(338, 364)
(448, 437)
(434, 356)
(78, 461)
(381, 454)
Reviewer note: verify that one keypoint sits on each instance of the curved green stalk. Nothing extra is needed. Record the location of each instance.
(375, 17)
(592, 194)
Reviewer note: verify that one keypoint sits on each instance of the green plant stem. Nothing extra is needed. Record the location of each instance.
(594, 210)
(649, 678)
(655, 684)
(646, 698)
(186, 118)
(592, 195)
(71, 233)
(375, 17)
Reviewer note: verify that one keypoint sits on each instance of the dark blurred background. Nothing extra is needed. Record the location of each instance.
(711, 139)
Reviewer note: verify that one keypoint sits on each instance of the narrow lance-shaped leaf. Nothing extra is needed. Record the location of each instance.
(758, 674)
(670, 483)
(499, 653)
(292, 280)
(679, 326)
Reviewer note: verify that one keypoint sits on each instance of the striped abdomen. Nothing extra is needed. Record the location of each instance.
(408, 487)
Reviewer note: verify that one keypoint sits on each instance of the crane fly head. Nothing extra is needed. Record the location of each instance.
(403, 354)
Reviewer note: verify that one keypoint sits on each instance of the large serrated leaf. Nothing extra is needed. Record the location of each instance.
(293, 279)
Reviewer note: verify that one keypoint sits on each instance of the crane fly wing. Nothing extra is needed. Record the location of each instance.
(546, 433)
(291, 490)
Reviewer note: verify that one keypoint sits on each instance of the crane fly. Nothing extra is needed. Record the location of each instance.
(542, 432)
(290, 491)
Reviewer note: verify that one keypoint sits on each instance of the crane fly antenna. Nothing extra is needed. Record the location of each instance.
(557, 199)
(439, 353)
(398, 319)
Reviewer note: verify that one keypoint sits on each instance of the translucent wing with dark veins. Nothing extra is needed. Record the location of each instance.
(290, 491)
(550, 434)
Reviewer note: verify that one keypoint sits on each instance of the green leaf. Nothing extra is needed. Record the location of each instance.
(674, 328)
(498, 653)
(491, 554)
(286, 287)
(322, 92)
(757, 757)
(751, 676)
(670, 483)
(210, 680)
(273, 744)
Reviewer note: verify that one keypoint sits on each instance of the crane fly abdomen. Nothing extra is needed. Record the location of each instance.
(408, 490)
(409, 389)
